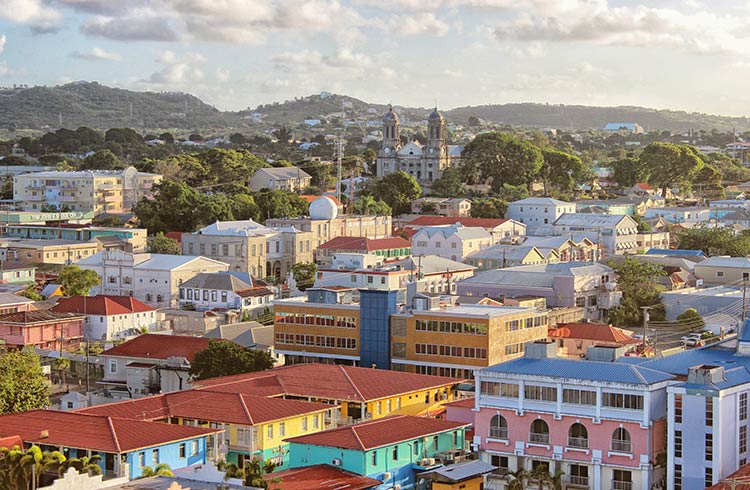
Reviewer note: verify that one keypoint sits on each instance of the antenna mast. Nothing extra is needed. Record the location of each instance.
(341, 153)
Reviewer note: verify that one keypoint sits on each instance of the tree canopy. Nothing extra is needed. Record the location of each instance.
(670, 164)
(223, 358)
(500, 158)
(23, 386)
(560, 170)
(397, 190)
(714, 241)
(637, 279)
(449, 184)
(76, 281)
(369, 206)
(162, 244)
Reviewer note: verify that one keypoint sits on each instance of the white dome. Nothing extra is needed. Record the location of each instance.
(323, 208)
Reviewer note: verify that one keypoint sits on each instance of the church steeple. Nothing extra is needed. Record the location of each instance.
(435, 130)
(391, 128)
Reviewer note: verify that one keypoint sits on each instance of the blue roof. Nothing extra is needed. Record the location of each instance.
(745, 332)
(733, 377)
(675, 252)
(719, 354)
(616, 126)
(584, 370)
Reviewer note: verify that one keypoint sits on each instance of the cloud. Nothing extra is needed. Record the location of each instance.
(222, 75)
(177, 70)
(145, 27)
(36, 14)
(2, 43)
(96, 54)
(427, 24)
(307, 59)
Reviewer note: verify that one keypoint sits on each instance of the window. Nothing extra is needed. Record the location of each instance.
(678, 409)
(194, 448)
(141, 459)
(709, 477)
(620, 400)
(743, 406)
(709, 447)
(709, 411)
(678, 444)
(498, 427)
(436, 443)
(223, 296)
(112, 366)
(539, 432)
(581, 301)
(501, 462)
(395, 453)
(678, 477)
(243, 437)
(578, 436)
(622, 480)
(374, 458)
(269, 431)
(304, 423)
(183, 450)
(282, 429)
(743, 439)
(205, 295)
(315, 421)
(579, 397)
(719, 273)
(543, 393)
(155, 457)
(579, 475)
(621, 441)
(159, 298)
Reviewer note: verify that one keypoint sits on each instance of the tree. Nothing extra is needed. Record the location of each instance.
(500, 158)
(108, 221)
(511, 193)
(714, 241)
(172, 209)
(630, 171)
(62, 364)
(670, 164)
(398, 190)
(275, 203)
(370, 158)
(693, 318)
(489, 208)
(518, 479)
(161, 469)
(84, 464)
(708, 181)
(304, 274)
(24, 469)
(449, 184)
(76, 281)
(637, 280)
(162, 244)
(123, 136)
(254, 473)
(368, 206)
(102, 160)
(283, 134)
(196, 137)
(23, 386)
(224, 358)
(237, 139)
(31, 293)
(245, 207)
(167, 138)
(428, 208)
(473, 122)
(559, 170)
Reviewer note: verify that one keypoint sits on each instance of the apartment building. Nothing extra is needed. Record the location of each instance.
(292, 179)
(97, 191)
(538, 211)
(615, 233)
(501, 229)
(132, 239)
(601, 423)
(387, 248)
(37, 251)
(453, 242)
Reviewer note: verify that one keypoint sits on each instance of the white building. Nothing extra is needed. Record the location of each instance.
(452, 242)
(617, 233)
(538, 211)
(282, 178)
(110, 317)
(151, 278)
(211, 290)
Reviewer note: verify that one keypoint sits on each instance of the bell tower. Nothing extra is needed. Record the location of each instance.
(391, 129)
(435, 130)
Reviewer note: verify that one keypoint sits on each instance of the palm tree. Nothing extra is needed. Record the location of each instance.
(557, 480)
(84, 464)
(23, 469)
(254, 471)
(519, 478)
(62, 364)
(161, 469)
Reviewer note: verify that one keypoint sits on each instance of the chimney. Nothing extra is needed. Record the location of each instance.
(705, 374)
(541, 349)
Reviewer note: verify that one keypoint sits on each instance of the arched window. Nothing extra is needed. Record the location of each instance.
(578, 436)
(539, 432)
(621, 441)
(498, 427)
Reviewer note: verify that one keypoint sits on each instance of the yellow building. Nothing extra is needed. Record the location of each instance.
(469, 475)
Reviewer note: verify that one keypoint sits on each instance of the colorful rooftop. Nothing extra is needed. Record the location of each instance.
(101, 304)
(320, 477)
(464, 221)
(155, 346)
(364, 243)
(592, 331)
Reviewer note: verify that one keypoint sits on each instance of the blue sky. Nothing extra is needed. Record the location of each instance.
(681, 54)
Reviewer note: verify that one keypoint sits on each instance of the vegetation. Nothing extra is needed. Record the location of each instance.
(23, 386)
(25, 468)
(369, 206)
(692, 317)
(500, 158)
(397, 190)
(304, 274)
(637, 280)
(714, 241)
(489, 208)
(76, 281)
(252, 473)
(223, 358)
(162, 244)
(670, 164)
(161, 469)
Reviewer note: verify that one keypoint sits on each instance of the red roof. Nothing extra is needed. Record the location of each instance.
(741, 477)
(101, 305)
(157, 346)
(645, 187)
(11, 441)
(39, 316)
(320, 477)
(254, 292)
(174, 235)
(378, 433)
(227, 408)
(364, 243)
(95, 432)
(447, 220)
(462, 403)
(328, 381)
(311, 197)
(592, 331)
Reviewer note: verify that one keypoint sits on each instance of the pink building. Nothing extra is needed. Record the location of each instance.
(41, 328)
(602, 423)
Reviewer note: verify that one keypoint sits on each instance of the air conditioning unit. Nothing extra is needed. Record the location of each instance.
(387, 475)
(336, 462)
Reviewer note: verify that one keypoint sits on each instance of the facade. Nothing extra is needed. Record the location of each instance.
(109, 317)
(391, 449)
(501, 255)
(444, 206)
(291, 179)
(716, 271)
(564, 249)
(325, 227)
(19, 274)
(452, 242)
(687, 215)
(41, 329)
(706, 301)
(64, 252)
(574, 339)
(97, 191)
(615, 233)
(601, 423)
(538, 211)
(11, 303)
(387, 248)
(423, 162)
(501, 229)
(134, 239)
(153, 279)
(568, 284)
(212, 290)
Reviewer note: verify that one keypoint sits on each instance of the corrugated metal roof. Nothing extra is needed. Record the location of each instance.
(594, 220)
(216, 280)
(541, 201)
(729, 262)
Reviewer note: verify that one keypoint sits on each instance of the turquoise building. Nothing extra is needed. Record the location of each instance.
(392, 449)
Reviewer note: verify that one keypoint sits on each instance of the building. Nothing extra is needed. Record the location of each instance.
(97, 191)
(325, 223)
(601, 423)
(319, 477)
(576, 248)
(41, 329)
(625, 128)
(11, 303)
(501, 229)
(63, 252)
(574, 339)
(130, 239)
(453, 207)
(467, 475)
(436, 274)
(17, 274)
(502, 255)
(153, 279)
(212, 290)
(538, 211)
(423, 162)
(109, 317)
(693, 215)
(722, 270)
(149, 364)
(248, 246)
(391, 449)
(251, 426)
(387, 248)
(452, 242)
(615, 233)
(124, 446)
(292, 179)
(567, 284)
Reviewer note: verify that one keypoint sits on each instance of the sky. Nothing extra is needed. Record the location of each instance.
(691, 55)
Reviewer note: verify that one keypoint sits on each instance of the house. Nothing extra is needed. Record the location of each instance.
(501, 255)
(469, 474)
(212, 290)
(282, 178)
(51, 291)
(567, 284)
(390, 449)
(712, 302)
(319, 477)
(692, 255)
(110, 317)
(443, 206)
(251, 426)
(41, 329)
(678, 272)
(615, 233)
(127, 239)
(18, 274)
(124, 446)
(149, 364)
(721, 270)
(538, 211)
(251, 334)
(38, 251)
(601, 423)
(574, 339)
(388, 248)
(359, 393)
(11, 303)
(452, 242)
(564, 249)
(499, 228)
(689, 215)
(153, 279)
(620, 127)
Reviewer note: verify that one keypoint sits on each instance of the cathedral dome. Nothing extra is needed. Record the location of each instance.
(435, 115)
(323, 208)
(390, 115)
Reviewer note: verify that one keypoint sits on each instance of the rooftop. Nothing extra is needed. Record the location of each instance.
(157, 346)
(38, 316)
(320, 477)
(738, 480)
(593, 220)
(447, 220)
(592, 331)
(149, 261)
(455, 473)
(363, 243)
(285, 172)
(13, 299)
(726, 261)
(216, 280)
(463, 232)
(101, 304)
(541, 201)
(431, 264)
(378, 433)
(541, 275)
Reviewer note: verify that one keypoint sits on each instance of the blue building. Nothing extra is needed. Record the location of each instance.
(124, 446)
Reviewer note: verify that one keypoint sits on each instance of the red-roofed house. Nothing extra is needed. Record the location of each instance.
(125, 446)
(739, 480)
(110, 317)
(150, 363)
(499, 228)
(444, 206)
(388, 248)
(319, 477)
(41, 328)
(574, 338)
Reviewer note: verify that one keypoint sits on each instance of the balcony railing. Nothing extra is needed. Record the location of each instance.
(578, 481)
(538, 438)
(620, 446)
(578, 442)
(622, 485)
(498, 432)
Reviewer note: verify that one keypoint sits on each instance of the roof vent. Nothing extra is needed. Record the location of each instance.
(44, 434)
(541, 349)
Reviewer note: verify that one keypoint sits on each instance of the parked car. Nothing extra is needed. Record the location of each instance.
(692, 340)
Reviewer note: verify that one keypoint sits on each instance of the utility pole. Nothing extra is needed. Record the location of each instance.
(645, 326)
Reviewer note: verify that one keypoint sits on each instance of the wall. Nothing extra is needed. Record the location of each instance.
(168, 454)
(376, 308)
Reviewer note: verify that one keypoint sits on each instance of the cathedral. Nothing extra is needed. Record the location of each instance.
(425, 162)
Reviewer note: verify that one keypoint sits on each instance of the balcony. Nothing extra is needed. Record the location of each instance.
(35, 198)
(498, 433)
(535, 438)
(620, 446)
(62, 198)
(622, 485)
(578, 481)
(578, 442)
